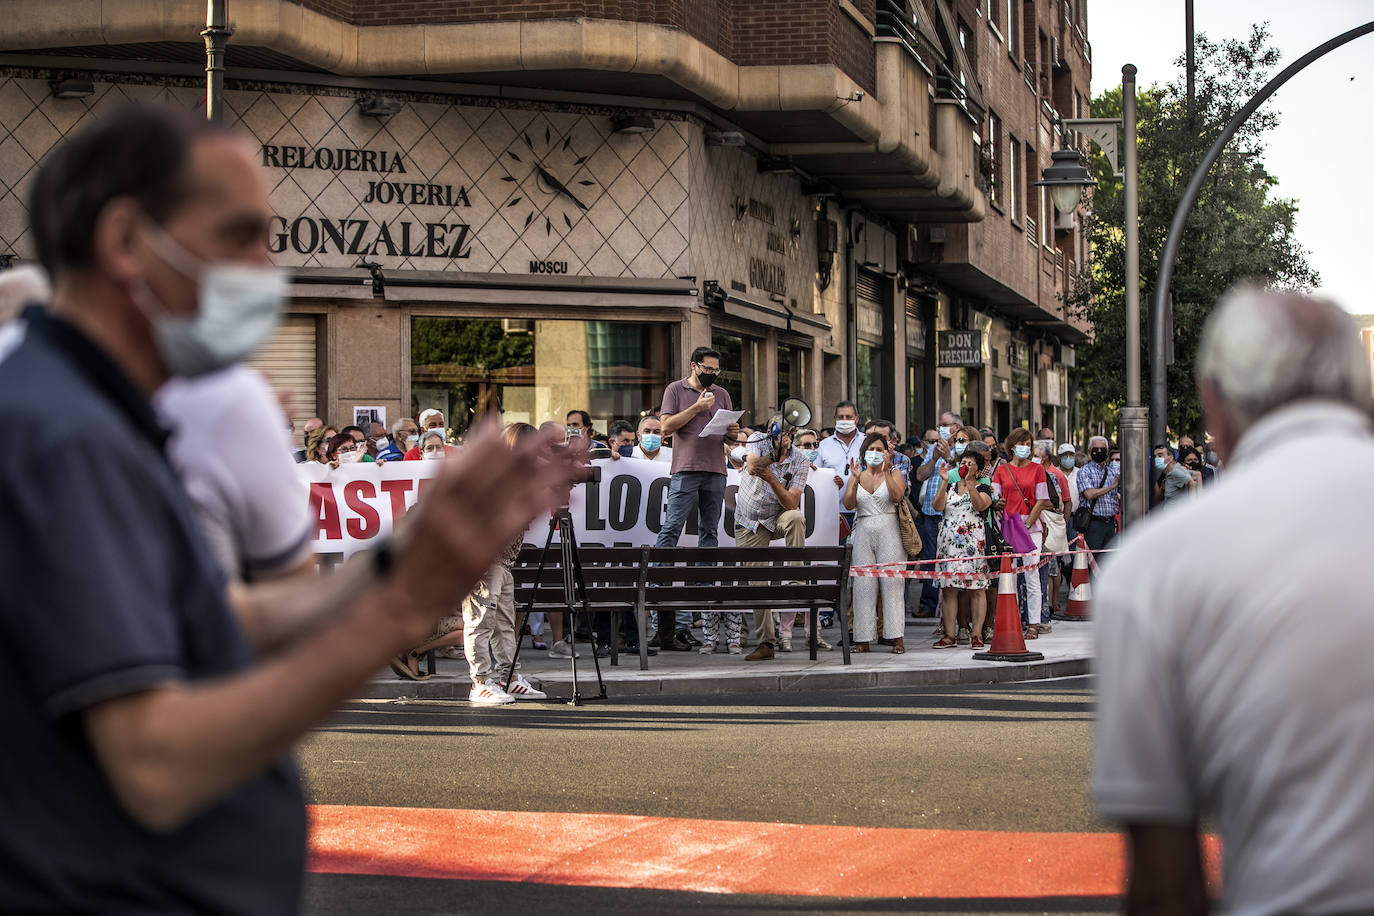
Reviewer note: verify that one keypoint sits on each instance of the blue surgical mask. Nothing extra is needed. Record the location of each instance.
(873, 459)
(1160, 463)
(650, 442)
(1115, 465)
(1066, 462)
(811, 454)
(238, 308)
(959, 447)
(626, 451)
(1022, 451)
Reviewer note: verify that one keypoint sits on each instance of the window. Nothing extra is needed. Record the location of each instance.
(1032, 176)
(992, 151)
(996, 11)
(1013, 178)
(1013, 26)
(737, 367)
(535, 370)
(791, 373)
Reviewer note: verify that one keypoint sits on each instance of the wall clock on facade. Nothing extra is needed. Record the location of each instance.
(554, 195)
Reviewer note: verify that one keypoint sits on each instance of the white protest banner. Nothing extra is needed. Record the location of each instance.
(355, 504)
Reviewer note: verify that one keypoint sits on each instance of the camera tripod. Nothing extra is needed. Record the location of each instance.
(574, 593)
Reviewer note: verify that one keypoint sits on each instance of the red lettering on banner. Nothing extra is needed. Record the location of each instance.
(326, 512)
(397, 490)
(368, 523)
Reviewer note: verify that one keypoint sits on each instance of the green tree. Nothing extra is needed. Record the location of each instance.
(1235, 231)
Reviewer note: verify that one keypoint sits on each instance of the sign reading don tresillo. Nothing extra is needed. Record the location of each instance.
(960, 349)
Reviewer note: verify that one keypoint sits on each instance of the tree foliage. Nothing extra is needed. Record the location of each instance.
(1235, 231)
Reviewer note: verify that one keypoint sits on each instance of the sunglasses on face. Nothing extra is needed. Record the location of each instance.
(963, 439)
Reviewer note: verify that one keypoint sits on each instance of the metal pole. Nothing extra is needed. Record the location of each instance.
(1166, 261)
(216, 37)
(1134, 425)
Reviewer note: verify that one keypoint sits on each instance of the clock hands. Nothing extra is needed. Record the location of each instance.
(558, 186)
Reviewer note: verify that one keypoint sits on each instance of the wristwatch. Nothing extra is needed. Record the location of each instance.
(382, 559)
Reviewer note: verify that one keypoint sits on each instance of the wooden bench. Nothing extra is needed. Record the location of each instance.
(644, 580)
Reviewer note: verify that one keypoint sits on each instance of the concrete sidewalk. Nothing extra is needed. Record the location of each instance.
(1067, 651)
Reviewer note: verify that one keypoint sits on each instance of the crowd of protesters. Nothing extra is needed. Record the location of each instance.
(963, 485)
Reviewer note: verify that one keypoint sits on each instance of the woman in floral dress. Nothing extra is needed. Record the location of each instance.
(963, 499)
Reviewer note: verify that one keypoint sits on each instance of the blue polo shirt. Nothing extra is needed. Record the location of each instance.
(109, 591)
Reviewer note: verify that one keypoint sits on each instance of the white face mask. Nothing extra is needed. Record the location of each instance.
(412, 440)
(738, 454)
(944, 432)
(238, 308)
(845, 427)
(380, 442)
(432, 456)
(350, 457)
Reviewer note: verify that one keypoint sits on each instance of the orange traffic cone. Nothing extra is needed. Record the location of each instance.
(1008, 645)
(1080, 589)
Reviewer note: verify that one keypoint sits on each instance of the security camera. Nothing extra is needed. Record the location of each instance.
(858, 95)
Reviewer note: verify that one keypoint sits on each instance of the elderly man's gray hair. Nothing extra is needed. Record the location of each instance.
(1264, 348)
(399, 427)
(21, 286)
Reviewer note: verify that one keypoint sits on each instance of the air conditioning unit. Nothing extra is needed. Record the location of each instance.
(517, 325)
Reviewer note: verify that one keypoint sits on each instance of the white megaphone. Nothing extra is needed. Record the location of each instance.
(795, 413)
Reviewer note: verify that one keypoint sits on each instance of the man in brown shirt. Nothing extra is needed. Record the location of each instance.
(698, 469)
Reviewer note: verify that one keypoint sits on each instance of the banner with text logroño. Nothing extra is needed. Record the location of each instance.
(354, 505)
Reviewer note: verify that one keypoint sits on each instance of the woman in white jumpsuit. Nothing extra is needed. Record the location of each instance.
(874, 489)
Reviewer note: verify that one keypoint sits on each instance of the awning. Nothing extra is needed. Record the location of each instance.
(775, 315)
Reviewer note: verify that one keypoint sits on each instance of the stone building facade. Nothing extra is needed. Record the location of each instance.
(545, 207)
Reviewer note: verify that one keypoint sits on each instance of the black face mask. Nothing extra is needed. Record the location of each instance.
(707, 379)
(1099, 455)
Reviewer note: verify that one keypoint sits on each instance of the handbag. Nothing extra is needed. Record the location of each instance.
(1014, 526)
(1083, 515)
(1056, 533)
(911, 535)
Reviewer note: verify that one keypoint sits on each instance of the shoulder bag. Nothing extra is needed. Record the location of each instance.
(1083, 515)
(911, 535)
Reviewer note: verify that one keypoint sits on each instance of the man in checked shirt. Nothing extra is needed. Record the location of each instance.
(768, 503)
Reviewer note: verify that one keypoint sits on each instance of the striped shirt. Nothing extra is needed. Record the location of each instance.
(755, 502)
(932, 486)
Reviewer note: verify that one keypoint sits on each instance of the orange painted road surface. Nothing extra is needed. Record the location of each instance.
(730, 857)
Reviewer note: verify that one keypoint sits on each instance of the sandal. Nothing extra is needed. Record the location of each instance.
(944, 642)
(987, 634)
(859, 647)
(898, 646)
(976, 643)
(401, 665)
(1030, 633)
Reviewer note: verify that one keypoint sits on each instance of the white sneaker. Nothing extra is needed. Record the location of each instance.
(736, 650)
(489, 694)
(708, 649)
(561, 649)
(785, 644)
(822, 644)
(521, 689)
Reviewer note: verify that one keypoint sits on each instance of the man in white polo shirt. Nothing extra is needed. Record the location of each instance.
(1234, 680)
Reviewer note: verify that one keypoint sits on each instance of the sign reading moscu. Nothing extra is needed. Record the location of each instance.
(323, 234)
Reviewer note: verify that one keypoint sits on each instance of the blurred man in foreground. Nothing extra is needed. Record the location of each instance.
(1234, 681)
(139, 705)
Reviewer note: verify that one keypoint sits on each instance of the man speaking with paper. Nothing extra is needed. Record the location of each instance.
(689, 405)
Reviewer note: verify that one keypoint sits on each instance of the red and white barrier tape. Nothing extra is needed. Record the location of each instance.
(909, 569)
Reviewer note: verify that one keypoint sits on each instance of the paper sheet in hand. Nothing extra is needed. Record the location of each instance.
(720, 422)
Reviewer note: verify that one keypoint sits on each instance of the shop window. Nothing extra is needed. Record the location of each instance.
(737, 373)
(868, 392)
(791, 373)
(533, 371)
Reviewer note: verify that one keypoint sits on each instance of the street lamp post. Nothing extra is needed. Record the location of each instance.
(216, 37)
(1066, 177)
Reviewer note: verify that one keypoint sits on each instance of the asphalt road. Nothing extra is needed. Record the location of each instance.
(1010, 759)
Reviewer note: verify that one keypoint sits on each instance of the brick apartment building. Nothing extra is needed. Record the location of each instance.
(547, 205)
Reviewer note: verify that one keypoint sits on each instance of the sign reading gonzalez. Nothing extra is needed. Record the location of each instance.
(358, 503)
